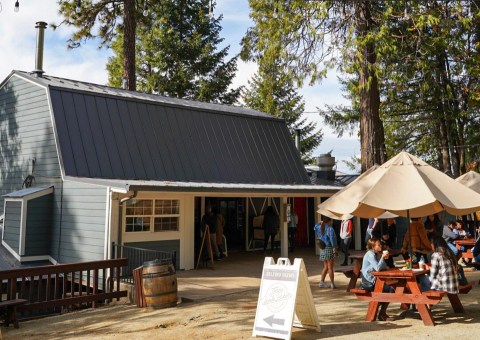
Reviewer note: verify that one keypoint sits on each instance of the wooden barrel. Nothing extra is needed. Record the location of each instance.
(159, 282)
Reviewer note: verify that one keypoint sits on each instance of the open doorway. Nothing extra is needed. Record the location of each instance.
(233, 211)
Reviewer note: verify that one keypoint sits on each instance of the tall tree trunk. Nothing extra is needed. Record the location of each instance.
(372, 136)
(130, 25)
(445, 147)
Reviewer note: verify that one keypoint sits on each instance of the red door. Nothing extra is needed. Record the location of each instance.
(300, 208)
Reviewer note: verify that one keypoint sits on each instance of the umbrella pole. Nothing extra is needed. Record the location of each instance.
(409, 238)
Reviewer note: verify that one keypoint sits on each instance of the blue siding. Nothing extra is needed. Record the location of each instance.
(79, 225)
(26, 134)
(38, 226)
(11, 225)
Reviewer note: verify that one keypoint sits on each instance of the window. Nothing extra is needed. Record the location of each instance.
(139, 213)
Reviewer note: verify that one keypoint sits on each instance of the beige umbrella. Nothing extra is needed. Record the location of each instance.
(324, 208)
(471, 179)
(405, 186)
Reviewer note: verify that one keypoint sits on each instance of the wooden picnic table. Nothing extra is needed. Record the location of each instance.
(407, 291)
(468, 243)
(357, 260)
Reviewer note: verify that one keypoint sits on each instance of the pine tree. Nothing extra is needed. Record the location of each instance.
(273, 92)
(101, 19)
(177, 53)
(310, 37)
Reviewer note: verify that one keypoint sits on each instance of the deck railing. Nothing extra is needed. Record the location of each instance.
(52, 288)
(138, 256)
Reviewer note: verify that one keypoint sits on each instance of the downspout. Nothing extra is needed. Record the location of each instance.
(120, 208)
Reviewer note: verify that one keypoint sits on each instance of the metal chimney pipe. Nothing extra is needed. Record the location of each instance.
(40, 26)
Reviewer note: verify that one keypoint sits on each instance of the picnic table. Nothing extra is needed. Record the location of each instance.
(469, 243)
(407, 291)
(353, 272)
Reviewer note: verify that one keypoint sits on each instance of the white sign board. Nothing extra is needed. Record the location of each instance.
(285, 300)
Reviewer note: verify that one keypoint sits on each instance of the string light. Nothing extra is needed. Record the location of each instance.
(145, 9)
(17, 7)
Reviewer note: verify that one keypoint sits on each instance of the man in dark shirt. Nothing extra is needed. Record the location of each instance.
(387, 234)
(210, 219)
(450, 236)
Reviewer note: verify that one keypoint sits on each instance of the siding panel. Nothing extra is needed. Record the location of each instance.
(11, 225)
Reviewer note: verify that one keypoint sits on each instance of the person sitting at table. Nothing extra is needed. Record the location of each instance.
(476, 248)
(450, 236)
(443, 268)
(373, 261)
(460, 231)
(420, 244)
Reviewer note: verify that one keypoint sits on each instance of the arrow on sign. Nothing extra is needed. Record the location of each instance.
(271, 320)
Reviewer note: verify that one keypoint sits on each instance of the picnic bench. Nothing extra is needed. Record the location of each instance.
(10, 309)
(407, 292)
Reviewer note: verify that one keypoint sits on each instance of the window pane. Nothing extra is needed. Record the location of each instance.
(139, 207)
(137, 224)
(166, 224)
(166, 207)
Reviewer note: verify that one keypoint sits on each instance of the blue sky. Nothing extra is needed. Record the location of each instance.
(18, 39)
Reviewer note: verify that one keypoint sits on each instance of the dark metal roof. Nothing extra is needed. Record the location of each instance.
(8, 261)
(116, 134)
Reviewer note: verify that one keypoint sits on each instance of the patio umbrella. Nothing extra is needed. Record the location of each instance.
(405, 186)
(472, 180)
(324, 208)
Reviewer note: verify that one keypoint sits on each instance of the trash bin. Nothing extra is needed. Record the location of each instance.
(159, 281)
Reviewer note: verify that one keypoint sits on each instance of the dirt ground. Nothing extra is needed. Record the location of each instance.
(231, 314)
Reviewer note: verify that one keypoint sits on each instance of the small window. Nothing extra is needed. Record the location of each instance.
(165, 215)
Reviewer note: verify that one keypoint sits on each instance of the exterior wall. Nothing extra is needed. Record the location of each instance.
(182, 241)
(12, 225)
(38, 226)
(79, 223)
(26, 136)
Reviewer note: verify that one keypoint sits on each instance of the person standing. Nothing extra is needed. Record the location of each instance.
(372, 223)
(420, 244)
(433, 225)
(220, 226)
(271, 225)
(210, 220)
(292, 230)
(325, 232)
(346, 229)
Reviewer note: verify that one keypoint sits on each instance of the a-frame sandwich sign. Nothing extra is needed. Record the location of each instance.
(285, 300)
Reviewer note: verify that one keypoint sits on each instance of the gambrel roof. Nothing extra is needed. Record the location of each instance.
(106, 133)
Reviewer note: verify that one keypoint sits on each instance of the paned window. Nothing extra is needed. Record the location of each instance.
(152, 215)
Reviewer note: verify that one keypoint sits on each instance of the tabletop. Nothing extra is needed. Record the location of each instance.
(465, 242)
(396, 273)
